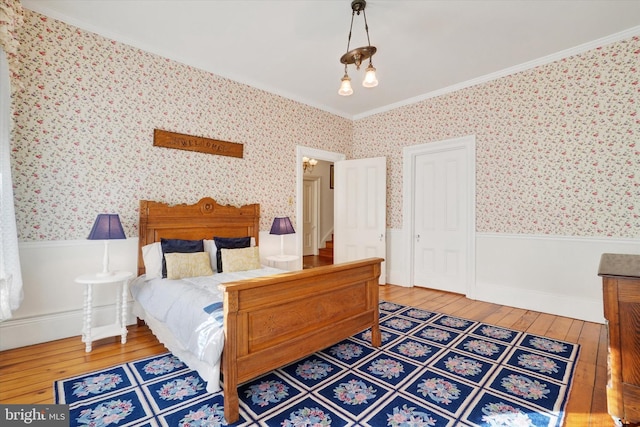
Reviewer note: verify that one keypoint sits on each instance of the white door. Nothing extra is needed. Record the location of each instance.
(441, 222)
(360, 210)
(310, 216)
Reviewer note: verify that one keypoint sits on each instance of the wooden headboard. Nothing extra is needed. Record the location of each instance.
(202, 220)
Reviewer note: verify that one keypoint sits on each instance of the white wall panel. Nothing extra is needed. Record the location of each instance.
(550, 274)
(52, 306)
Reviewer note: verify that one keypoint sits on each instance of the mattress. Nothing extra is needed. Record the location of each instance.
(191, 308)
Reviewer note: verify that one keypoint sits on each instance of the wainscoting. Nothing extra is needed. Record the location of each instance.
(551, 274)
(52, 305)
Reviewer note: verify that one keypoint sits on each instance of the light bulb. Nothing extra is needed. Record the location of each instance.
(370, 79)
(345, 86)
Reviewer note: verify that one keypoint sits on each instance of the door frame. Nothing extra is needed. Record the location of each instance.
(302, 151)
(409, 154)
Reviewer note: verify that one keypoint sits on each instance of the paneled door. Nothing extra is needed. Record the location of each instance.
(310, 216)
(442, 219)
(360, 210)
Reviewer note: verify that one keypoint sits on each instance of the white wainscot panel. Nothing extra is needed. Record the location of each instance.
(52, 305)
(551, 274)
(396, 260)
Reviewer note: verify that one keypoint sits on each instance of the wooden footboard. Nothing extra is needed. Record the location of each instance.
(275, 320)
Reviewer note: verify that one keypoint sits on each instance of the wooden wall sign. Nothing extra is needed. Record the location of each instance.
(180, 141)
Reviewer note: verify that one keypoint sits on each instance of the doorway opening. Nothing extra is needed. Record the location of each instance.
(317, 216)
(326, 159)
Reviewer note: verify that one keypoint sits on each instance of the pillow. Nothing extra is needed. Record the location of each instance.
(210, 248)
(178, 245)
(241, 259)
(229, 243)
(152, 258)
(194, 264)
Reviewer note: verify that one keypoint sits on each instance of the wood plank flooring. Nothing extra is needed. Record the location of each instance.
(312, 261)
(27, 373)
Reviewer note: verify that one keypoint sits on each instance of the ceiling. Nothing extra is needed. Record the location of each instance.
(292, 47)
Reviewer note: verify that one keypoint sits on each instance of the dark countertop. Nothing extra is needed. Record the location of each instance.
(619, 265)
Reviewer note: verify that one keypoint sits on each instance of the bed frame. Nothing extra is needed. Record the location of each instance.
(275, 320)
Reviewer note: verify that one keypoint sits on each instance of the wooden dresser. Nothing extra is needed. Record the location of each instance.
(621, 292)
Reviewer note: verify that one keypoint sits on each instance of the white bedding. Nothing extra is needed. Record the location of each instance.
(179, 306)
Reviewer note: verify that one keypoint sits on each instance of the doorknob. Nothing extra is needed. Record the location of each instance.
(381, 237)
(418, 238)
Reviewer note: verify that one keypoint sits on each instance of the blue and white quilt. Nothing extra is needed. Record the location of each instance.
(191, 308)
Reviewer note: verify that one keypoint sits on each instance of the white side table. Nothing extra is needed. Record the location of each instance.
(275, 259)
(119, 327)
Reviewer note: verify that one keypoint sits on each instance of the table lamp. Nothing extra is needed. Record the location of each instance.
(281, 226)
(106, 227)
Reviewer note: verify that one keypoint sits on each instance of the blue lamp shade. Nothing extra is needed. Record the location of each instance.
(282, 225)
(107, 227)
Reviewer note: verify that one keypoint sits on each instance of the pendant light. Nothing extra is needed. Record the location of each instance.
(359, 54)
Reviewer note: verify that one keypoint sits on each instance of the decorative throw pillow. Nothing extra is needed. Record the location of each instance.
(152, 258)
(241, 259)
(229, 243)
(178, 245)
(181, 265)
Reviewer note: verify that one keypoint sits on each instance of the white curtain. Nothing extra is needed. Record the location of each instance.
(10, 275)
(11, 293)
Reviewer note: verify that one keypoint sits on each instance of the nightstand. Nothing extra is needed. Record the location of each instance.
(119, 327)
(275, 259)
(621, 294)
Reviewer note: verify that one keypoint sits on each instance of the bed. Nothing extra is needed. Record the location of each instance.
(267, 321)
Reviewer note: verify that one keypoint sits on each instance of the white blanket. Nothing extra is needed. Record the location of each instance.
(191, 308)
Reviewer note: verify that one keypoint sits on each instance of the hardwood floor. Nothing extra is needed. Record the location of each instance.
(311, 261)
(27, 373)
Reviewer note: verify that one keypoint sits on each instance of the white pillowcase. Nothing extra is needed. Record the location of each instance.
(210, 247)
(152, 257)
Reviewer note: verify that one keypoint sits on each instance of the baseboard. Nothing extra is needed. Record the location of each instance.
(34, 330)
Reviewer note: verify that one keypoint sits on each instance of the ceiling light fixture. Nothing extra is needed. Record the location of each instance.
(359, 54)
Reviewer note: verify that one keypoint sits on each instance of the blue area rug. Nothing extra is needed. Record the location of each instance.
(431, 370)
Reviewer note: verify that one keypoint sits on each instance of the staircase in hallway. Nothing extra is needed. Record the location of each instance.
(327, 251)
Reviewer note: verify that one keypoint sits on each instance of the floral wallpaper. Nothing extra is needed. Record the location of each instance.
(557, 146)
(83, 135)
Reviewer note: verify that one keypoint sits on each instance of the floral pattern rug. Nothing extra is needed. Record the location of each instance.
(431, 370)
